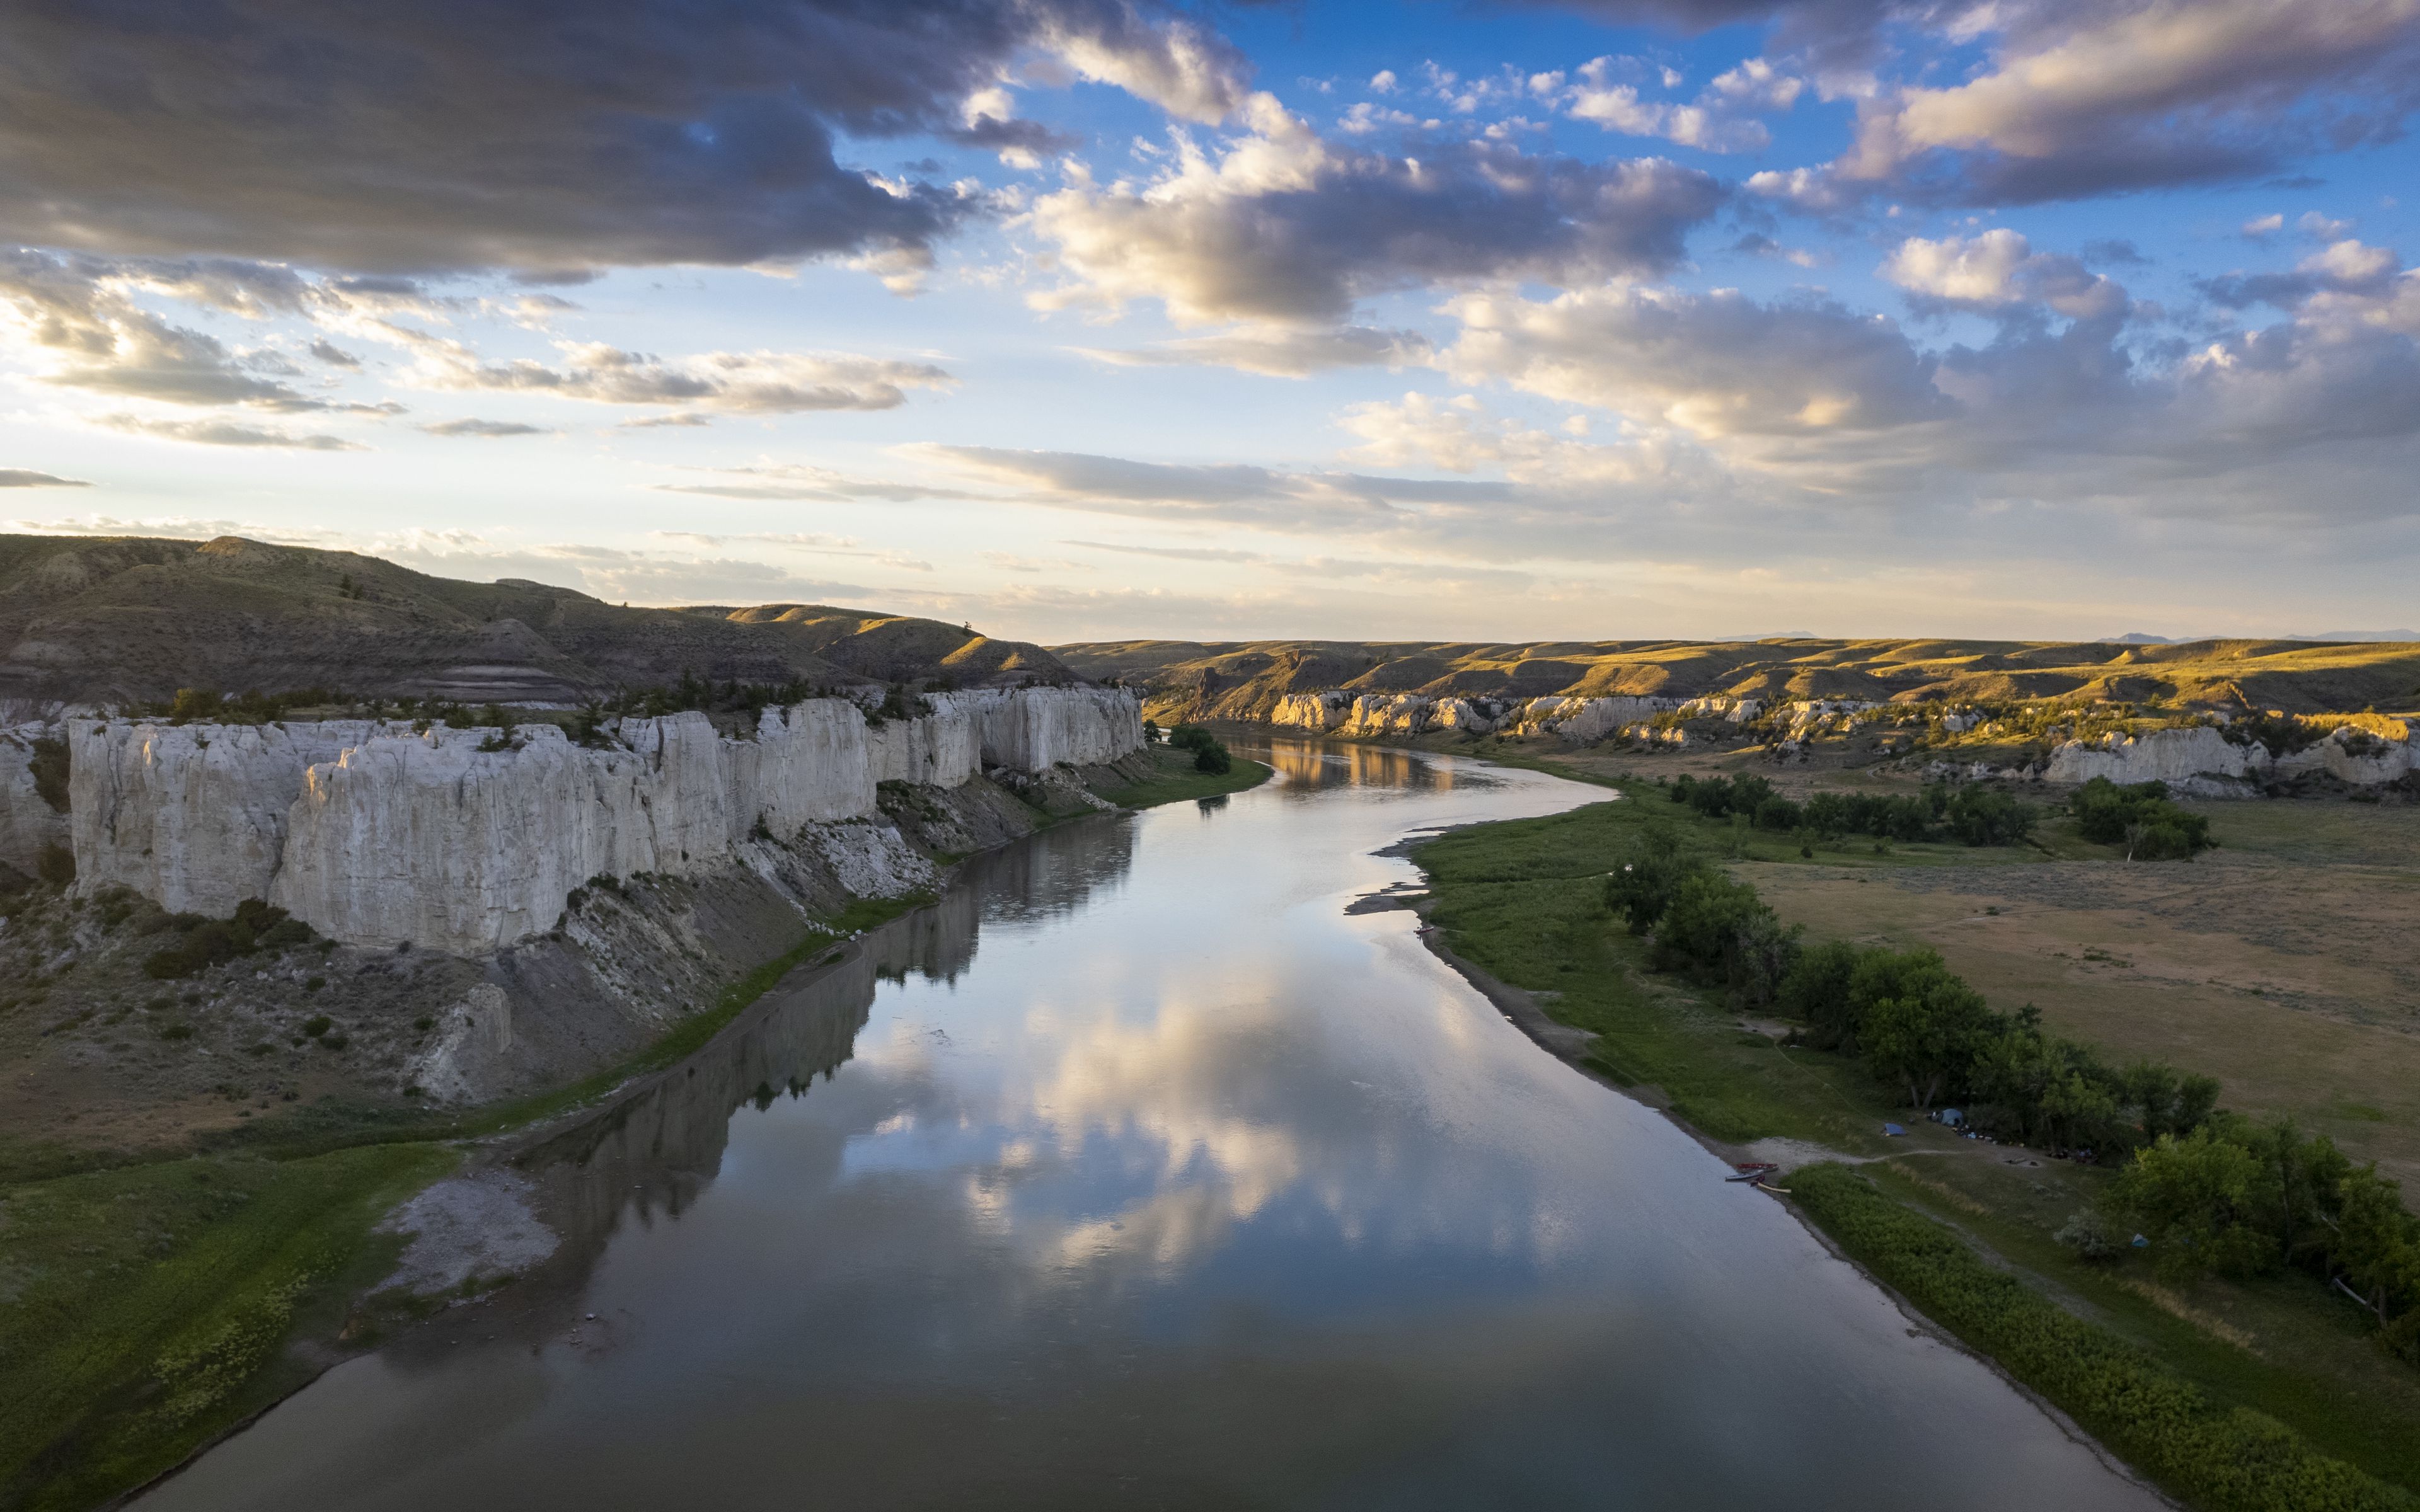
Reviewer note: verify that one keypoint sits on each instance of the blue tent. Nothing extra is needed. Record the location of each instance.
(1952, 1118)
(1893, 1129)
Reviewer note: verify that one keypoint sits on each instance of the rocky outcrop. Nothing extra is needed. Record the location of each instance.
(2187, 760)
(468, 840)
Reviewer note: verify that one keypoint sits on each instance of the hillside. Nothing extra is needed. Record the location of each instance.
(1242, 680)
(88, 620)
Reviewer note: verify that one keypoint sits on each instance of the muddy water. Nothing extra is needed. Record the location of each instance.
(1139, 1174)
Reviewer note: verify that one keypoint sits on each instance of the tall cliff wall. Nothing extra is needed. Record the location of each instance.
(468, 840)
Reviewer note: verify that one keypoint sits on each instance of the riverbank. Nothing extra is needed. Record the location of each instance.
(1519, 910)
(153, 1306)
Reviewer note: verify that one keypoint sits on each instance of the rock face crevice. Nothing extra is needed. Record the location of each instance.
(467, 840)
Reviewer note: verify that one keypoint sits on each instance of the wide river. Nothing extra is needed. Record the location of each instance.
(1138, 1173)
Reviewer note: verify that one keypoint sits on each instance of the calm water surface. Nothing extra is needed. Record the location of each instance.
(1139, 1174)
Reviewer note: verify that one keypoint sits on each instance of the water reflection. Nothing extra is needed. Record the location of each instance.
(1139, 1172)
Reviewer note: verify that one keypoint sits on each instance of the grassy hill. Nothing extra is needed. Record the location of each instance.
(1241, 680)
(110, 620)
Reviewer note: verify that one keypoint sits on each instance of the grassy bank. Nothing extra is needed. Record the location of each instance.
(145, 1310)
(1525, 900)
(1173, 779)
(150, 1308)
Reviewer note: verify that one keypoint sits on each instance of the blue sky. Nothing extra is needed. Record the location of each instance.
(1091, 320)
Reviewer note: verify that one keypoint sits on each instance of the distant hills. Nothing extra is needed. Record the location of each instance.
(2136, 637)
(86, 619)
(1242, 680)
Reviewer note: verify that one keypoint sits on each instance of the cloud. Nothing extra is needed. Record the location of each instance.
(810, 485)
(1807, 405)
(74, 318)
(333, 355)
(1277, 351)
(2347, 266)
(1999, 270)
(26, 478)
(1273, 498)
(1722, 119)
(760, 383)
(1285, 226)
(1173, 554)
(548, 139)
(227, 433)
(491, 428)
(1713, 365)
(684, 418)
(2081, 100)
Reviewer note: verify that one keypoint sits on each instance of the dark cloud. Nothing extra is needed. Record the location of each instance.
(25, 478)
(547, 136)
(333, 355)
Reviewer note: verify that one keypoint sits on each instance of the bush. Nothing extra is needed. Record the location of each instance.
(2088, 1233)
(1209, 755)
(2139, 817)
(206, 942)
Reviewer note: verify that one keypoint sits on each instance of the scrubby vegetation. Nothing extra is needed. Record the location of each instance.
(206, 942)
(2141, 817)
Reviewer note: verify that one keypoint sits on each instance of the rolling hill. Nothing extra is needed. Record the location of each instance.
(92, 619)
(1242, 680)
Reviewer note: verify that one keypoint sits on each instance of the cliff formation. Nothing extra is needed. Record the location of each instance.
(467, 840)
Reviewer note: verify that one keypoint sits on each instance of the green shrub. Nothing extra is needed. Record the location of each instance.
(2139, 817)
(206, 942)
(317, 1024)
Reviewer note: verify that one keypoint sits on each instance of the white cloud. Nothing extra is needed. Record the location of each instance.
(1999, 269)
(1277, 351)
(1286, 226)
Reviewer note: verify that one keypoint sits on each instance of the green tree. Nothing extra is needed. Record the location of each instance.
(1643, 882)
(2197, 1199)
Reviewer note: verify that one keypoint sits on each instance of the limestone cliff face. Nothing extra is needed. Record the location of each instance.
(192, 816)
(1034, 729)
(28, 824)
(468, 840)
(2180, 758)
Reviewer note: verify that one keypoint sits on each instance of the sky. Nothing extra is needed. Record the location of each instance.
(1095, 319)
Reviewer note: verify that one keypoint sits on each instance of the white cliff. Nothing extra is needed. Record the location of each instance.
(2180, 758)
(469, 839)
(190, 816)
(1034, 729)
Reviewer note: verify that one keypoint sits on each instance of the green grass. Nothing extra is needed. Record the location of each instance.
(1174, 781)
(1523, 900)
(145, 1310)
(2226, 1458)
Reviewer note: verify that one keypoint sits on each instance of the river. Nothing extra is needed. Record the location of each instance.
(1138, 1173)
